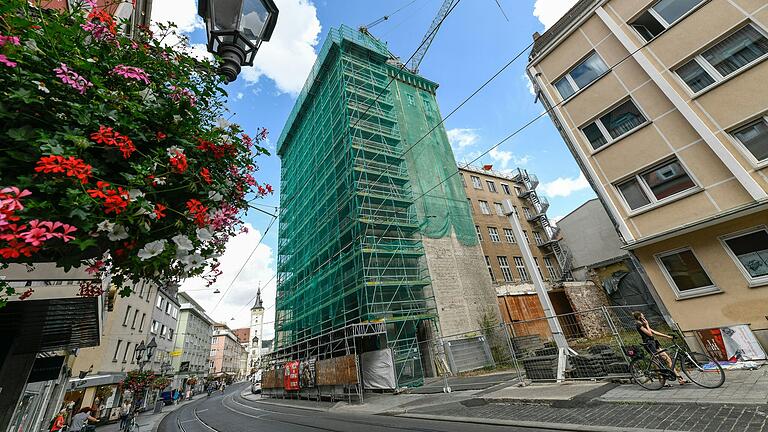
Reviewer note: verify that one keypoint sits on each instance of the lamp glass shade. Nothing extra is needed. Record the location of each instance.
(138, 352)
(151, 348)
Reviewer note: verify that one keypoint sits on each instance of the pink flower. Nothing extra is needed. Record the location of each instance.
(9, 39)
(72, 79)
(131, 72)
(4, 60)
(10, 198)
(178, 94)
(37, 234)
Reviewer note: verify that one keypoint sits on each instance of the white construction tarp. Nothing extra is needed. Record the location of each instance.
(378, 369)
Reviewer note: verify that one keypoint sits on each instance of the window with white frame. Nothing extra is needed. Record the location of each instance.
(538, 268)
(117, 350)
(168, 308)
(490, 269)
(493, 233)
(518, 191)
(141, 323)
(656, 184)
(476, 182)
(537, 238)
(505, 270)
(685, 273)
(587, 71)
(508, 235)
(742, 48)
(754, 137)
(661, 16)
(550, 268)
(154, 327)
(505, 189)
(479, 234)
(491, 186)
(750, 250)
(525, 234)
(125, 352)
(527, 212)
(520, 265)
(484, 207)
(135, 316)
(614, 124)
(499, 209)
(159, 303)
(127, 314)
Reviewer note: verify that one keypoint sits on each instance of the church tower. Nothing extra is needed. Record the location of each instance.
(257, 332)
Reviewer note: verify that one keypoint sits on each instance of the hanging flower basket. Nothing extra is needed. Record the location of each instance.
(113, 154)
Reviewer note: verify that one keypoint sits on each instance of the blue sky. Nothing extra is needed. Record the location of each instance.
(473, 43)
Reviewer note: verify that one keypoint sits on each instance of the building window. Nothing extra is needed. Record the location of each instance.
(590, 69)
(167, 308)
(527, 212)
(479, 234)
(493, 233)
(170, 333)
(174, 312)
(614, 124)
(499, 209)
(505, 271)
(149, 293)
(520, 265)
(135, 315)
(163, 330)
(484, 209)
(153, 329)
(518, 191)
(538, 268)
(750, 250)
(508, 235)
(125, 352)
(159, 303)
(117, 350)
(685, 273)
(525, 234)
(491, 186)
(476, 182)
(411, 100)
(490, 269)
(141, 323)
(754, 137)
(661, 16)
(550, 268)
(463, 182)
(125, 318)
(656, 184)
(505, 189)
(736, 51)
(141, 290)
(537, 238)
(471, 207)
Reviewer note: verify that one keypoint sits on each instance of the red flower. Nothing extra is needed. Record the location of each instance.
(115, 201)
(263, 134)
(106, 135)
(268, 188)
(160, 136)
(69, 166)
(206, 175)
(199, 212)
(105, 18)
(25, 295)
(178, 162)
(218, 150)
(160, 211)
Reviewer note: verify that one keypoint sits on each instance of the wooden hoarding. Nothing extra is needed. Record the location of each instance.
(337, 371)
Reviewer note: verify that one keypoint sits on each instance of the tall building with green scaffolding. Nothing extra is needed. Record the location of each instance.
(374, 225)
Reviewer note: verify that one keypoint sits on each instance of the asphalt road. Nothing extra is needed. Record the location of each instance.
(231, 413)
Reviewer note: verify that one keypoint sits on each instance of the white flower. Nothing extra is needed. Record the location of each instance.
(215, 196)
(222, 123)
(193, 261)
(105, 226)
(173, 151)
(204, 235)
(176, 118)
(148, 95)
(41, 86)
(135, 193)
(160, 181)
(151, 249)
(183, 242)
(118, 232)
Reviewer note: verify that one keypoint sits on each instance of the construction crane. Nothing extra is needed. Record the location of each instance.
(413, 66)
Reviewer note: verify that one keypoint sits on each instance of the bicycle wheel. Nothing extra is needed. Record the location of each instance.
(702, 369)
(647, 374)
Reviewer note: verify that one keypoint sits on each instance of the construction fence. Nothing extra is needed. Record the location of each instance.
(596, 339)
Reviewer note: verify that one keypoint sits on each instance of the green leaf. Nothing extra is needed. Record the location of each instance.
(84, 243)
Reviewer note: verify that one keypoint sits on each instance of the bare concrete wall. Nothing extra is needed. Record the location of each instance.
(460, 283)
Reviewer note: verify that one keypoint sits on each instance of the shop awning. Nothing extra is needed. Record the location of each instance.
(95, 380)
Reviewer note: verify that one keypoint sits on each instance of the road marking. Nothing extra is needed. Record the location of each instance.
(265, 410)
(202, 410)
(202, 422)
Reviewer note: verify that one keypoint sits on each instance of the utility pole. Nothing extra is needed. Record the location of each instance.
(541, 289)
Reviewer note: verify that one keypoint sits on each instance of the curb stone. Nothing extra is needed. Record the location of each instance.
(531, 424)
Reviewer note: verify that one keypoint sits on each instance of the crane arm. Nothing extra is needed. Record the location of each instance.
(430, 36)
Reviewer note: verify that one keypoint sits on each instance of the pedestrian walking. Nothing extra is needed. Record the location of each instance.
(81, 419)
(125, 409)
(652, 345)
(60, 421)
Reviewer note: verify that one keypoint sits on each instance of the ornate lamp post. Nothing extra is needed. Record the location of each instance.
(236, 29)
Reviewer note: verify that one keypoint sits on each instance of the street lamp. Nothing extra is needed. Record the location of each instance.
(236, 29)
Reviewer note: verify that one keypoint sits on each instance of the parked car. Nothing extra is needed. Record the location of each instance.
(256, 383)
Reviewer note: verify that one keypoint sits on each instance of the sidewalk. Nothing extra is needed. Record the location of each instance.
(146, 420)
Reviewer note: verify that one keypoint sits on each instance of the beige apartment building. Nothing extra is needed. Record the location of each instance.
(663, 104)
(226, 352)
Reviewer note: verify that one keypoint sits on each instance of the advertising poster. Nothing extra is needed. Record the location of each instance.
(307, 373)
(291, 376)
(732, 343)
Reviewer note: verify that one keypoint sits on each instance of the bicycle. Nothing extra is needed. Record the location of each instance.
(131, 425)
(652, 372)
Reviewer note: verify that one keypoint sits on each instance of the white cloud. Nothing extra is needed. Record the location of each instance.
(183, 13)
(564, 186)
(549, 11)
(529, 84)
(462, 137)
(199, 51)
(239, 96)
(290, 54)
(504, 158)
(237, 302)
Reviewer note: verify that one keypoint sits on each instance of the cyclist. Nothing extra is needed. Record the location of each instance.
(652, 345)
